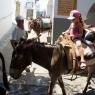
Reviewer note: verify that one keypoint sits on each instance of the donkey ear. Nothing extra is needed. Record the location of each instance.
(21, 41)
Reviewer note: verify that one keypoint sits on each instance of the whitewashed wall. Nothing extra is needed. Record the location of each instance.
(84, 5)
(49, 9)
(7, 18)
(7, 9)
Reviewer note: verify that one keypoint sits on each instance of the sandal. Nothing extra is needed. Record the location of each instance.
(83, 65)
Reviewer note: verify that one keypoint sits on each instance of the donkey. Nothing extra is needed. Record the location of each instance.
(39, 25)
(89, 55)
(51, 57)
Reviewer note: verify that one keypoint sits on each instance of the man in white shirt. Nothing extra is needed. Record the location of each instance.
(18, 32)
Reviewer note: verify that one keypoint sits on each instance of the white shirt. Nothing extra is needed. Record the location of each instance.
(18, 33)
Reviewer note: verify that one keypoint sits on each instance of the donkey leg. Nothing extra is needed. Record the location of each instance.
(74, 66)
(73, 70)
(88, 80)
(61, 85)
(52, 84)
(73, 58)
(50, 90)
(38, 38)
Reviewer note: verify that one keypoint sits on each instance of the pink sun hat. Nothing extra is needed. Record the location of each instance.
(74, 14)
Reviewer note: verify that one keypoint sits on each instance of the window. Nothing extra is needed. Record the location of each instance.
(65, 6)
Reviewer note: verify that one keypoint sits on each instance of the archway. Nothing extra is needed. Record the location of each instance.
(91, 15)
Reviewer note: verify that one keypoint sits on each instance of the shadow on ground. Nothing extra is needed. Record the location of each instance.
(29, 84)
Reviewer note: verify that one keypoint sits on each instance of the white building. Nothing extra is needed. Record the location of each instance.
(62, 9)
(7, 15)
(7, 18)
(41, 8)
(49, 9)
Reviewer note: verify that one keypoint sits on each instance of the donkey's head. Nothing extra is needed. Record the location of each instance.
(30, 24)
(20, 59)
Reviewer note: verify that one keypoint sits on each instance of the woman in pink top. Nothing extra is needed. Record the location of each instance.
(76, 32)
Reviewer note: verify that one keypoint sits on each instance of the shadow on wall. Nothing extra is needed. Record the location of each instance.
(91, 15)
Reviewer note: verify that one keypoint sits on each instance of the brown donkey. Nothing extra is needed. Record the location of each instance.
(40, 25)
(74, 65)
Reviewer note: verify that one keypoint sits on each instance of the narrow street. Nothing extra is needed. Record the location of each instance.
(36, 81)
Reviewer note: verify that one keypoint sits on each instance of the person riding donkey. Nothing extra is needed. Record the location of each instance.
(75, 31)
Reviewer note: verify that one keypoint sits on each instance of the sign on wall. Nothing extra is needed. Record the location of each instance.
(65, 6)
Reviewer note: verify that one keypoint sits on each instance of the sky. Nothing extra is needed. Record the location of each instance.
(43, 4)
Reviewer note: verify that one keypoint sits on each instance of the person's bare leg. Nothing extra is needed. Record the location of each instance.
(73, 57)
(81, 51)
(83, 62)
